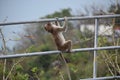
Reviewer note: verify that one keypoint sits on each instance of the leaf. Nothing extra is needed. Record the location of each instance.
(34, 70)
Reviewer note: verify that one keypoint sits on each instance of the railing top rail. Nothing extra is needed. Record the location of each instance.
(60, 19)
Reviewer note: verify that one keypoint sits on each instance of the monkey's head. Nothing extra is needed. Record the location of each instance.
(49, 27)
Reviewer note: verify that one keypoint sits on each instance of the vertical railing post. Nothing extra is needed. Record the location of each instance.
(95, 46)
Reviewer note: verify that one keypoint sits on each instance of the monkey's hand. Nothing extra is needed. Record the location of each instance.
(65, 19)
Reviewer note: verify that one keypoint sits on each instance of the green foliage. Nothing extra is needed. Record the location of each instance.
(62, 13)
(21, 76)
(19, 68)
(34, 69)
(1, 70)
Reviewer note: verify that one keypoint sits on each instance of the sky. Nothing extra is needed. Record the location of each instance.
(21, 10)
(26, 10)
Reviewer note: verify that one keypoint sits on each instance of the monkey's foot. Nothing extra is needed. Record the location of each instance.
(69, 51)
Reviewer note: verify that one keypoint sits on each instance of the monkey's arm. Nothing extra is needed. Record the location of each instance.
(57, 22)
(65, 24)
(63, 28)
(60, 29)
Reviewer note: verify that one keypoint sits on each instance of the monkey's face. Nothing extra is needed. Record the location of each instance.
(49, 27)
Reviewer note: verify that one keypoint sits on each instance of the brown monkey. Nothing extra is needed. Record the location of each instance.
(56, 31)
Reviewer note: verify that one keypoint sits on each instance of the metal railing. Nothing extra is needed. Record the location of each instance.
(60, 19)
(95, 49)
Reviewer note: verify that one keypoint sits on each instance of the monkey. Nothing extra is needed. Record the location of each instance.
(56, 31)
(62, 45)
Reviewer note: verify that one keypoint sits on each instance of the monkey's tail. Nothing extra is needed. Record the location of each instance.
(67, 68)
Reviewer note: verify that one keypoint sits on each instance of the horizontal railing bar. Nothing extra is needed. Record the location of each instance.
(56, 52)
(60, 19)
(103, 78)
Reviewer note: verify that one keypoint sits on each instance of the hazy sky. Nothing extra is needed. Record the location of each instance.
(20, 10)
(26, 10)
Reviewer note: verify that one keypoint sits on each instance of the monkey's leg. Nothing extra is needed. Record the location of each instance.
(67, 68)
(68, 45)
